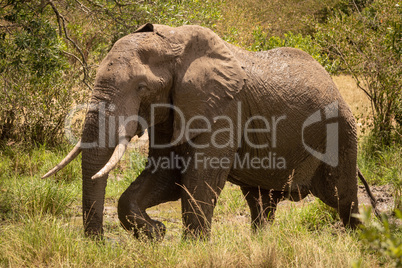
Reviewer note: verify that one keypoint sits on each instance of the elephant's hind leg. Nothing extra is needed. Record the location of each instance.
(262, 204)
(146, 191)
(337, 187)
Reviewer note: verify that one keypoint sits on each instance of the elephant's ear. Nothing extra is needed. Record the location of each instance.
(207, 79)
(148, 27)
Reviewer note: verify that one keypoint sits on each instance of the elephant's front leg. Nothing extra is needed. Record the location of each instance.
(201, 185)
(149, 189)
(198, 199)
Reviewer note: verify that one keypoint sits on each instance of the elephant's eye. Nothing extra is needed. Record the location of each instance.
(142, 87)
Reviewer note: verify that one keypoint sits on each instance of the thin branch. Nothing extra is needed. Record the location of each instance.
(82, 64)
(74, 56)
(353, 74)
(354, 3)
(58, 16)
(122, 4)
(83, 7)
(62, 28)
(397, 132)
(9, 26)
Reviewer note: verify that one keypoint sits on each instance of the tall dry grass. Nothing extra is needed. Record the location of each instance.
(301, 236)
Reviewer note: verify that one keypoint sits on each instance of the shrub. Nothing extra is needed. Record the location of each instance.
(383, 238)
(368, 45)
(305, 43)
(34, 95)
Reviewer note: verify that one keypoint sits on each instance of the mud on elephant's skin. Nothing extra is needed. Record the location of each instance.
(223, 114)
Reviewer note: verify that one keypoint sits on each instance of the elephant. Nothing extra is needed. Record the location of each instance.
(272, 122)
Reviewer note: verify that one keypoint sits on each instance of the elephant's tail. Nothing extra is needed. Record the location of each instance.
(369, 193)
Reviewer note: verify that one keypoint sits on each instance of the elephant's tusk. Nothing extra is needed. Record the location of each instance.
(71, 155)
(114, 159)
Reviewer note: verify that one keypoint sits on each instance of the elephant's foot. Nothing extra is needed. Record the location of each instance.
(93, 229)
(262, 204)
(155, 231)
(198, 234)
(94, 233)
(143, 227)
(352, 223)
(347, 214)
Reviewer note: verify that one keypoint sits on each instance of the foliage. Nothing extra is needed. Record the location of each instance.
(31, 68)
(114, 19)
(347, 6)
(383, 237)
(305, 43)
(276, 18)
(368, 43)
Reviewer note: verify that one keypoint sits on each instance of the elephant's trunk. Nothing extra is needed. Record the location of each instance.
(93, 191)
(98, 160)
(94, 157)
(99, 156)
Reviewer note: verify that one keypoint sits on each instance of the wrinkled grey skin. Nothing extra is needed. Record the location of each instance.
(191, 68)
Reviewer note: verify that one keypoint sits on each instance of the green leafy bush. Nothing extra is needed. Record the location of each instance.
(384, 238)
(34, 95)
(305, 43)
(368, 44)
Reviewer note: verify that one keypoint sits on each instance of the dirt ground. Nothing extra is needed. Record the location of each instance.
(383, 194)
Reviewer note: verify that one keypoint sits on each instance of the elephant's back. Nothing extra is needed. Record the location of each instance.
(297, 85)
(292, 73)
(288, 80)
(288, 84)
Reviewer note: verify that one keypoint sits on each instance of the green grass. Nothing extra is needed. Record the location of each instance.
(22, 191)
(41, 226)
(383, 167)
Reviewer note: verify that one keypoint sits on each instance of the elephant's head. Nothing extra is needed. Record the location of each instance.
(188, 67)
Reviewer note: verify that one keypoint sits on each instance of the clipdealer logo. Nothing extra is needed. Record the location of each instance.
(269, 127)
(331, 155)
